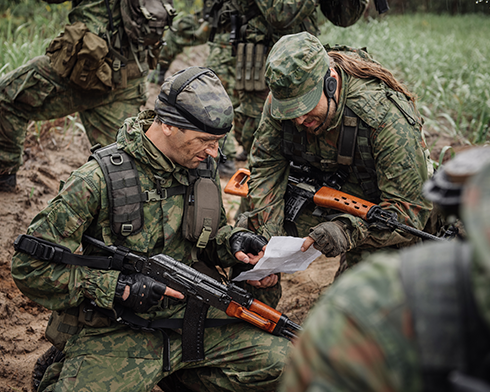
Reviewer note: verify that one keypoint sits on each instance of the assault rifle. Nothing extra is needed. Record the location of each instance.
(300, 193)
(233, 300)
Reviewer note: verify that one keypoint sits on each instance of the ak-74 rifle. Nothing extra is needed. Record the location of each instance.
(233, 300)
(327, 197)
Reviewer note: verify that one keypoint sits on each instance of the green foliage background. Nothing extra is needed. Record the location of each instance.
(443, 58)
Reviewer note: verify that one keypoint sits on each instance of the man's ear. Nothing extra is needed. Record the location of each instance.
(168, 130)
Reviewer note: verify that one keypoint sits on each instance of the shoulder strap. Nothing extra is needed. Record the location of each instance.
(123, 190)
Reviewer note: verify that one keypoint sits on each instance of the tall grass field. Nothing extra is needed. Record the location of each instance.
(443, 59)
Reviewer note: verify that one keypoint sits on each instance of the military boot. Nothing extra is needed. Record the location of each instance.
(8, 182)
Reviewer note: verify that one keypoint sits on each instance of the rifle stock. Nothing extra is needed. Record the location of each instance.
(337, 200)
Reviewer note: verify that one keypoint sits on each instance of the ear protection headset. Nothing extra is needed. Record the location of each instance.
(329, 88)
(329, 85)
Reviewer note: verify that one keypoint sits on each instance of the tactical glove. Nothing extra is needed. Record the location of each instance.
(145, 292)
(247, 242)
(331, 238)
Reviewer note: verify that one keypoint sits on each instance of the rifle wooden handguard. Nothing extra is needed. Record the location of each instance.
(337, 200)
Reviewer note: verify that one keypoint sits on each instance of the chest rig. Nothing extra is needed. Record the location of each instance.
(202, 205)
(354, 154)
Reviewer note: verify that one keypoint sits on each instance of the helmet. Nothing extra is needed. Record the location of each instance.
(343, 13)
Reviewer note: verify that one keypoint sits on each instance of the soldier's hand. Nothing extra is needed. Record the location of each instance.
(248, 247)
(330, 238)
(140, 292)
(264, 283)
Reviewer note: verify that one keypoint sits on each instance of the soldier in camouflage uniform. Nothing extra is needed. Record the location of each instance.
(300, 125)
(413, 320)
(36, 91)
(164, 146)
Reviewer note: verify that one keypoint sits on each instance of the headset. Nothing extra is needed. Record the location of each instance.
(329, 88)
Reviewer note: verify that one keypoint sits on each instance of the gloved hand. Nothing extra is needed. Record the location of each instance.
(144, 293)
(331, 238)
(247, 242)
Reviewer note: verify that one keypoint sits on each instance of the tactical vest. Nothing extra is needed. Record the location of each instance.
(452, 338)
(354, 154)
(202, 207)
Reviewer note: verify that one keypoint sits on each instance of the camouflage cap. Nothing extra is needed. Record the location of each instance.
(294, 71)
(195, 99)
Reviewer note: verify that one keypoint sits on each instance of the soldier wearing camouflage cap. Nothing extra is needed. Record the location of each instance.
(192, 114)
(337, 117)
(413, 320)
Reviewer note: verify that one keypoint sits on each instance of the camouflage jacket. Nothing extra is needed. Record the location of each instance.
(94, 14)
(82, 207)
(358, 337)
(398, 150)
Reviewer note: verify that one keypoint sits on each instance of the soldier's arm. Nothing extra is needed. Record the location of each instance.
(401, 169)
(358, 337)
(63, 221)
(269, 175)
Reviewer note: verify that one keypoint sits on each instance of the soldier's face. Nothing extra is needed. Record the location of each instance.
(189, 148)
(313, 119)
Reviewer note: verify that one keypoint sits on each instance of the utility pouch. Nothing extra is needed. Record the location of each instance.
(80, 55)
(202, 211)
(63, 49)
(250, 68)
(62, 325)
(91, 72)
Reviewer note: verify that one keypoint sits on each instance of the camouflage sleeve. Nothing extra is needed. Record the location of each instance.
(284, 15)
(269, 175)
(358, 337)
(401, 167)
(63, 221)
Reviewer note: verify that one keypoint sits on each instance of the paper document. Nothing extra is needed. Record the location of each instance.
(283, 254)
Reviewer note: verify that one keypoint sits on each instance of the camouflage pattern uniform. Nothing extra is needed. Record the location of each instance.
(360, 336)
(36, 92)
(398, 149)
(116, 358)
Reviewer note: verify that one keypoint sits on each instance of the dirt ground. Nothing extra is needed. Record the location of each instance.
(51, 153)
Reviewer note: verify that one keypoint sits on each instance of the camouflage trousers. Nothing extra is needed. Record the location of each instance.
(238, 357)
(36, 92)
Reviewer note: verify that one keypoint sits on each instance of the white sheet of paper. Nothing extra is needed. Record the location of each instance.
(283, 254)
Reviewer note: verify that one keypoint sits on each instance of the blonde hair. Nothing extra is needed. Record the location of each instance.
(368, 69)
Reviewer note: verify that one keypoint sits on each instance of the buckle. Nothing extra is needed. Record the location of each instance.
(153, 195)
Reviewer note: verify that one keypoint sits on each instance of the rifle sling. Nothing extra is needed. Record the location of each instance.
(192, 324)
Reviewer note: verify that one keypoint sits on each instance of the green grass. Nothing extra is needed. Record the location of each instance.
(443, 59)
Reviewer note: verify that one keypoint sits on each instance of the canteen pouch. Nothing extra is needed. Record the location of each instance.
(62, 325)
(202, 211)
